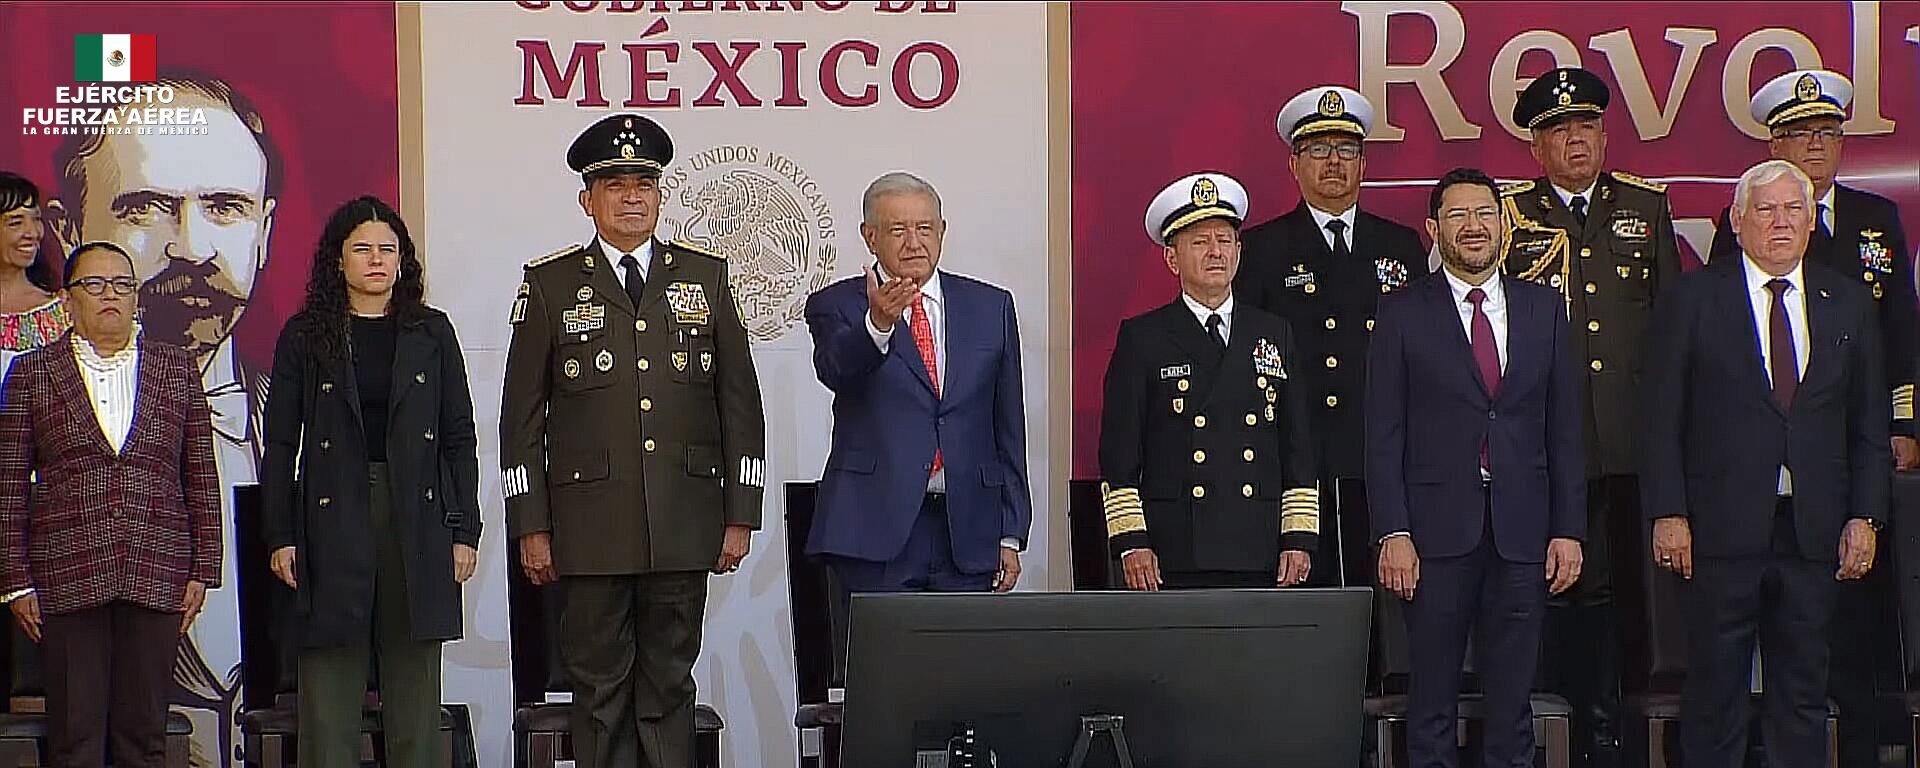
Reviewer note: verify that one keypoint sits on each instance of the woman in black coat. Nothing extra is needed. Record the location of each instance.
(370, 480)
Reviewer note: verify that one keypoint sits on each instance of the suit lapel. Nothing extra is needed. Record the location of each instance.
(412, 345)
(1738, 307)
(1314, 238)
(1523, 330)
(1440, 297)
(660, 274)
(603, 276)
(1555, 213)
(1823, 326)
(68, 379)
(1599, 210)
(1235, 366)
(908, 350)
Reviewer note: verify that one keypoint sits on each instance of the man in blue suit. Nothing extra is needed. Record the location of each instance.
(1768, 466)
(1474, 460)
(926, 482)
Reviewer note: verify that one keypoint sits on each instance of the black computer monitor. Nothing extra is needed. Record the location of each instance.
(1209, 679)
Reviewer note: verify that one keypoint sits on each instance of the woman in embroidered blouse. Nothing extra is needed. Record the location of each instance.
(30, 315)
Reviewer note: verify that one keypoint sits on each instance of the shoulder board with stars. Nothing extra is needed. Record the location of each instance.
(1635, 181)
(691, 248)
(556, 255)
(1516, 187)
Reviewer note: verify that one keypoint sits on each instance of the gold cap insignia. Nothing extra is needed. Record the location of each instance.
(626, 151)
(628, 123)
(1205, 193)
(1332, 105)
(1807, 88)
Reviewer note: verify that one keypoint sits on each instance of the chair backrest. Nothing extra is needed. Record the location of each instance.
(1094, 566)
(816, 643)
(23, 663)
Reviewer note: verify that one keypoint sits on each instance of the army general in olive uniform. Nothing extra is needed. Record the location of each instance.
(1324, 266)
(1605, 239)
(632, 448)
(1206, 455)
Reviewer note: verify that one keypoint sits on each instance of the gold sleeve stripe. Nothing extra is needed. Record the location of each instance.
(1301, 496)
(1293, 522)
(1903, 402)
(1126, 522)
(1119, 499)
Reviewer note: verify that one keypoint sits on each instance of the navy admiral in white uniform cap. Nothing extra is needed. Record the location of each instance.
(1206, 454)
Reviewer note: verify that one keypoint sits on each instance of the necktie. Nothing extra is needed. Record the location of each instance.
(1216, 329)
(635, 281)
(1780, 359)
(1339, 228)
(1579, 207)
(1486, 355)
(1821, 230)
(923, 340)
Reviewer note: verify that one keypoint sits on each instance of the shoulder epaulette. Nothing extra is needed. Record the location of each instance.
(691, 248)
(1635, 181)
(1516, 187)
(556, 255)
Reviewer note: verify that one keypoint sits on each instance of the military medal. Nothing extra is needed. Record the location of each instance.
(583, 294)
(689, 303)
(706, 362)
(1266, 360)
(571, 368)
(1629, 226)
(1179, 405)
(1269, 412)
(583, 318)
(679, 361)
(603, 361)
(1873, 253)
(1390, 272)
(519, 305)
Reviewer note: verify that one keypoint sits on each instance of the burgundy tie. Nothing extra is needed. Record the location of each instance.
(1485, 354)
(1782, 364)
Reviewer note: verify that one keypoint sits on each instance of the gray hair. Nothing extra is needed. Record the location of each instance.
(896, 183)
(1768, 173)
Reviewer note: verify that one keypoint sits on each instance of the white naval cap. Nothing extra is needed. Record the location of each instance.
(1196, 198)
(1325, 109)
(1799, 95)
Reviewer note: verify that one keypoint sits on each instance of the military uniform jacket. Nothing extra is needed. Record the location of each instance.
(632, 434)
(1608, 273)
(1867, 242)
(1288, 269)
(1206, 456)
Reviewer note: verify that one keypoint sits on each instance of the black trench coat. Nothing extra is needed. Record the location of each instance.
(316, 493)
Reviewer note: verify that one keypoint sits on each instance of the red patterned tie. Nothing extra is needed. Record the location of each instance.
(923, 339)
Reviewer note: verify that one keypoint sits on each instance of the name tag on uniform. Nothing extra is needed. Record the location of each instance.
(583, 318)
(1176, 371)
(689, 303)
(1295, 281)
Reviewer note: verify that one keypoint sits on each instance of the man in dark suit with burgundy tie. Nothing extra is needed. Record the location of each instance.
(1767, 469)
(1475, 466)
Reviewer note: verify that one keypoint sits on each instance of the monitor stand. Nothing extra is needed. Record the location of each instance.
(1091, 726)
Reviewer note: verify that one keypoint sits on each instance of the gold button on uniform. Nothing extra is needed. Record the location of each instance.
(1597, 365)
(643, 364)
(326, 501)
(1247, 454)
(1252, 419)
(1333, 401)
(640, 325)
(646, 403)
(325, 444)
(1247, 491)
(1199, 422)
(1333, 362)
(1309, 288)
(1199, 457)
(1183, 385)
(1867, 276)
(1593, 325)
(1331, 324)
(428, 435)
(649, 445)
(1586, 253)
(1199, 492)
(1369, 323)
(1592, 289)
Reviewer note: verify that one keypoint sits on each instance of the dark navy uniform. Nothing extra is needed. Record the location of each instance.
(1609, 261)
(1206, 454)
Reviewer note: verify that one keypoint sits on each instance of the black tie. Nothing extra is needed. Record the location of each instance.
(1339, 228)
(1579, 206)
(1785, 369)
(635, 280)
(1216, 329)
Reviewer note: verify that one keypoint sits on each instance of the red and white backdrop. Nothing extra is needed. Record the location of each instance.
(794, 107)
(1161, 90)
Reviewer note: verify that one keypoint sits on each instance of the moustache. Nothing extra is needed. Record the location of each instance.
(193, 306)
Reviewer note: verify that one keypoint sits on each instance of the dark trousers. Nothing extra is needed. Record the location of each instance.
(1221, 579)
(925, 564)
(628, 643)
(1784, 601)
(1863, 643)
(333, 681)
(1581, 645)
(109, 676)
(1501, 605)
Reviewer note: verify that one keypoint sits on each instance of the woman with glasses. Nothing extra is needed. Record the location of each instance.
(371, 482)
(31, 317)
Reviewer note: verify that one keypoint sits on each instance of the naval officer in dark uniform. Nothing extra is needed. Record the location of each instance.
(1856, 233)
(1323, 266)
(1206, 457)
(632, 447)
(1605, 239)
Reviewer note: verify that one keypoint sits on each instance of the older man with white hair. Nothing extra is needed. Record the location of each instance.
(1767, 468)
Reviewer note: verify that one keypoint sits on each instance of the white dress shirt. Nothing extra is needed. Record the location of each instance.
(1494, 305)
(110, 384)
(1566, 196)
(1200, 313)
(1761, 300)
(1320, 219)
(643, 254)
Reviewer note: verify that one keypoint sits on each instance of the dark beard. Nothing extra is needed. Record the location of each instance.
(192, 306)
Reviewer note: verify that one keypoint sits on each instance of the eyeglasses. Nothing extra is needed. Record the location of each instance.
(1803, 134)
(97, 286)
(1324, 151)
(1458, 217)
